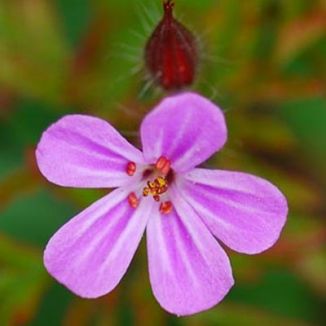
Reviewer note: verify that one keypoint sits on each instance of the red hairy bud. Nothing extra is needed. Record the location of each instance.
(171, 52)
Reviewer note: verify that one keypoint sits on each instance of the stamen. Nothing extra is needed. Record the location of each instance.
(131, 168)
(163, 165)
(146, 192)
(166, 207)
(156, 188)
(133, 200)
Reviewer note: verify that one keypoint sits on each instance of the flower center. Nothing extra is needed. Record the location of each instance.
(161, 176)
(156, 188)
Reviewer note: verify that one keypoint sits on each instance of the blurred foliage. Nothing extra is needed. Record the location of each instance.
(263, 61)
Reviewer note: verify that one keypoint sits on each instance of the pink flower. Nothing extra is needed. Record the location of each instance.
(182, 208)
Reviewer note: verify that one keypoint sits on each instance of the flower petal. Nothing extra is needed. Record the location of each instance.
(83, 151)
(185, 128)
(189, 271)
(245, 212)
(91, 253)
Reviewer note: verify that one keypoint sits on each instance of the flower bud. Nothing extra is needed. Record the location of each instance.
(171, 55)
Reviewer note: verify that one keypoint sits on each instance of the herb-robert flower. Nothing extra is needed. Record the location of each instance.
(160, 190)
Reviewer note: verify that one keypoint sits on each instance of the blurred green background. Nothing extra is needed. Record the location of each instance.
(263, 61)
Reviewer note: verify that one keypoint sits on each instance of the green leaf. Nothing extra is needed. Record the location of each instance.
(22, 282)
(34, 217)
(282, 293)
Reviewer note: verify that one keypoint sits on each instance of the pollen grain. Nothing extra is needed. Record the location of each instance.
(156, 188)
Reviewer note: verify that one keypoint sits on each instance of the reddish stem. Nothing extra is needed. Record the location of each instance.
(168, 6)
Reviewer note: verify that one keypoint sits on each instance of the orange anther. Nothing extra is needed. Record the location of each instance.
(166, 207)
(133, 200)
(163, 165)
(131, 168)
